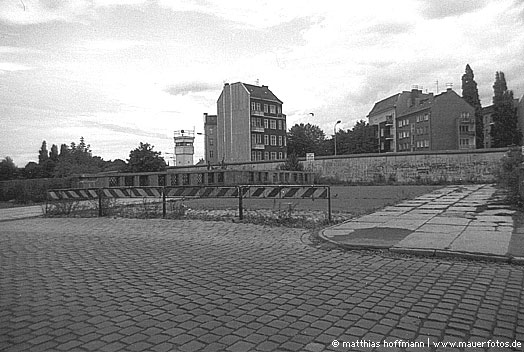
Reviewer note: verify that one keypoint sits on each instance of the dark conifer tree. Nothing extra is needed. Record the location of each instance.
(505, 131)
(470, 94)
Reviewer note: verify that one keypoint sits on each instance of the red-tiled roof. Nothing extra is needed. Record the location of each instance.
(261, 92)
(385, 104)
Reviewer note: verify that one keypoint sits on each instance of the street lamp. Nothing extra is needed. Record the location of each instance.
(335, 134)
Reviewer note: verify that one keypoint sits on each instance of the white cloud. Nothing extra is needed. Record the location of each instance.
(11, 66)
(35, 11)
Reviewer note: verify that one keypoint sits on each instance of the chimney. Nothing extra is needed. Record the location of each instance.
(449, 87)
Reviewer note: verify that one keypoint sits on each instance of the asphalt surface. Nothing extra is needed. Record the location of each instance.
(164, 285)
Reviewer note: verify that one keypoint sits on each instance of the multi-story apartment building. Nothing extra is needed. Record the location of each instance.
(250, 124)
(210, 139)
(412, 121)
(384, 115)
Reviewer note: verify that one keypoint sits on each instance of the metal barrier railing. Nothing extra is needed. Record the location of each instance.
(241, 192)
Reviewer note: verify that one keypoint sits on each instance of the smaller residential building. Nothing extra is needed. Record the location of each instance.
(416, 121)
(441, 122)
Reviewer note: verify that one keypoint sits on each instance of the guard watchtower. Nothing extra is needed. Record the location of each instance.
(184, 147)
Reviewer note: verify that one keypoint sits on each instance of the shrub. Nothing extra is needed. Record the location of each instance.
(509, 174)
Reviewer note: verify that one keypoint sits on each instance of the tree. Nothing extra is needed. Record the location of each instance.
(302, 139)
(360, 139)
(505, 130)
(53, 154)
(292, 163)
(43, 154)
(8, 169)
(470, 94)
(144, 158)
(32, 170)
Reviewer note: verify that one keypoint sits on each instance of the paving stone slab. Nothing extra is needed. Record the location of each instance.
(426, 240)
(487, 242)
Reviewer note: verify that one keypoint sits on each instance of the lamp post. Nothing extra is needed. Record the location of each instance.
(335, 134)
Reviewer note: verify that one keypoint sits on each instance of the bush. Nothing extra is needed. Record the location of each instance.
(509, 174)
(31, 190)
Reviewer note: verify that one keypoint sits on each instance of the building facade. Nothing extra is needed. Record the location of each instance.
(250, 124)
(416, 121)
(210, 139)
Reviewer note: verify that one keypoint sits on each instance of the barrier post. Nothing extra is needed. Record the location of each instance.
(163, 202)
(100, 210)
(240, 206)
(329, 202)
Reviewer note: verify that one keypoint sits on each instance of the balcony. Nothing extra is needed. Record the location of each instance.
(258, 146)
(389, 120)
(257, 129)
(257, 113)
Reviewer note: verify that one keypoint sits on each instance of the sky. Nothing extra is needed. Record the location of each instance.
(123, 72)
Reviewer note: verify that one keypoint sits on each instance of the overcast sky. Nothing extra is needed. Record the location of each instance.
(123, 72)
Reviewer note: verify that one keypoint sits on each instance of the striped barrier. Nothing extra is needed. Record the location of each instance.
(287, 192)
(202, 192)
(95, 193)
(240, 192)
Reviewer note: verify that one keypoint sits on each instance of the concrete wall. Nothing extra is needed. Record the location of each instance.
(443, 166)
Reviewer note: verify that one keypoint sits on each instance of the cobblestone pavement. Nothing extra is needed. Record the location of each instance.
(160, 285)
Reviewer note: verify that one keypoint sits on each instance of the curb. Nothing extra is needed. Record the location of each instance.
(436, 253)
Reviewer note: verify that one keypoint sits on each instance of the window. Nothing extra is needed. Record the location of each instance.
(426, 143)
(265, 108)
(253, 122)
(284, 125)
(273, 140)
(259, 139)
(272, 109)
(280, 155)
(211, 154)
(266, 139)
(273, 124)
(258, 106)
(285, 141)
(259, 155)
(273, 155)
(253, 106)
(266, 155)
(266, 123)
(279, 109)
(253, 155)
(381, 132)
(280, 141)
(426, 117)
(210, 130)
(279, 124)
(211, 141)
(259, 122)
(464, 141)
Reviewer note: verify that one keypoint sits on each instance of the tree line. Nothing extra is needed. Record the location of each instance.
(74, 159)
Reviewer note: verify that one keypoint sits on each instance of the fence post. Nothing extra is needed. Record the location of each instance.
(100, 196)
(329, 202)
(164, 202)
(240, 207)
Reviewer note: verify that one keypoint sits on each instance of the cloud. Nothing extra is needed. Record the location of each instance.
(41, 11)
(449, 8)
(191, 87)
(124, 129)
(11, 66)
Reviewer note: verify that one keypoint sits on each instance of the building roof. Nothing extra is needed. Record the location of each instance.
(385, 104)
(262, 92)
